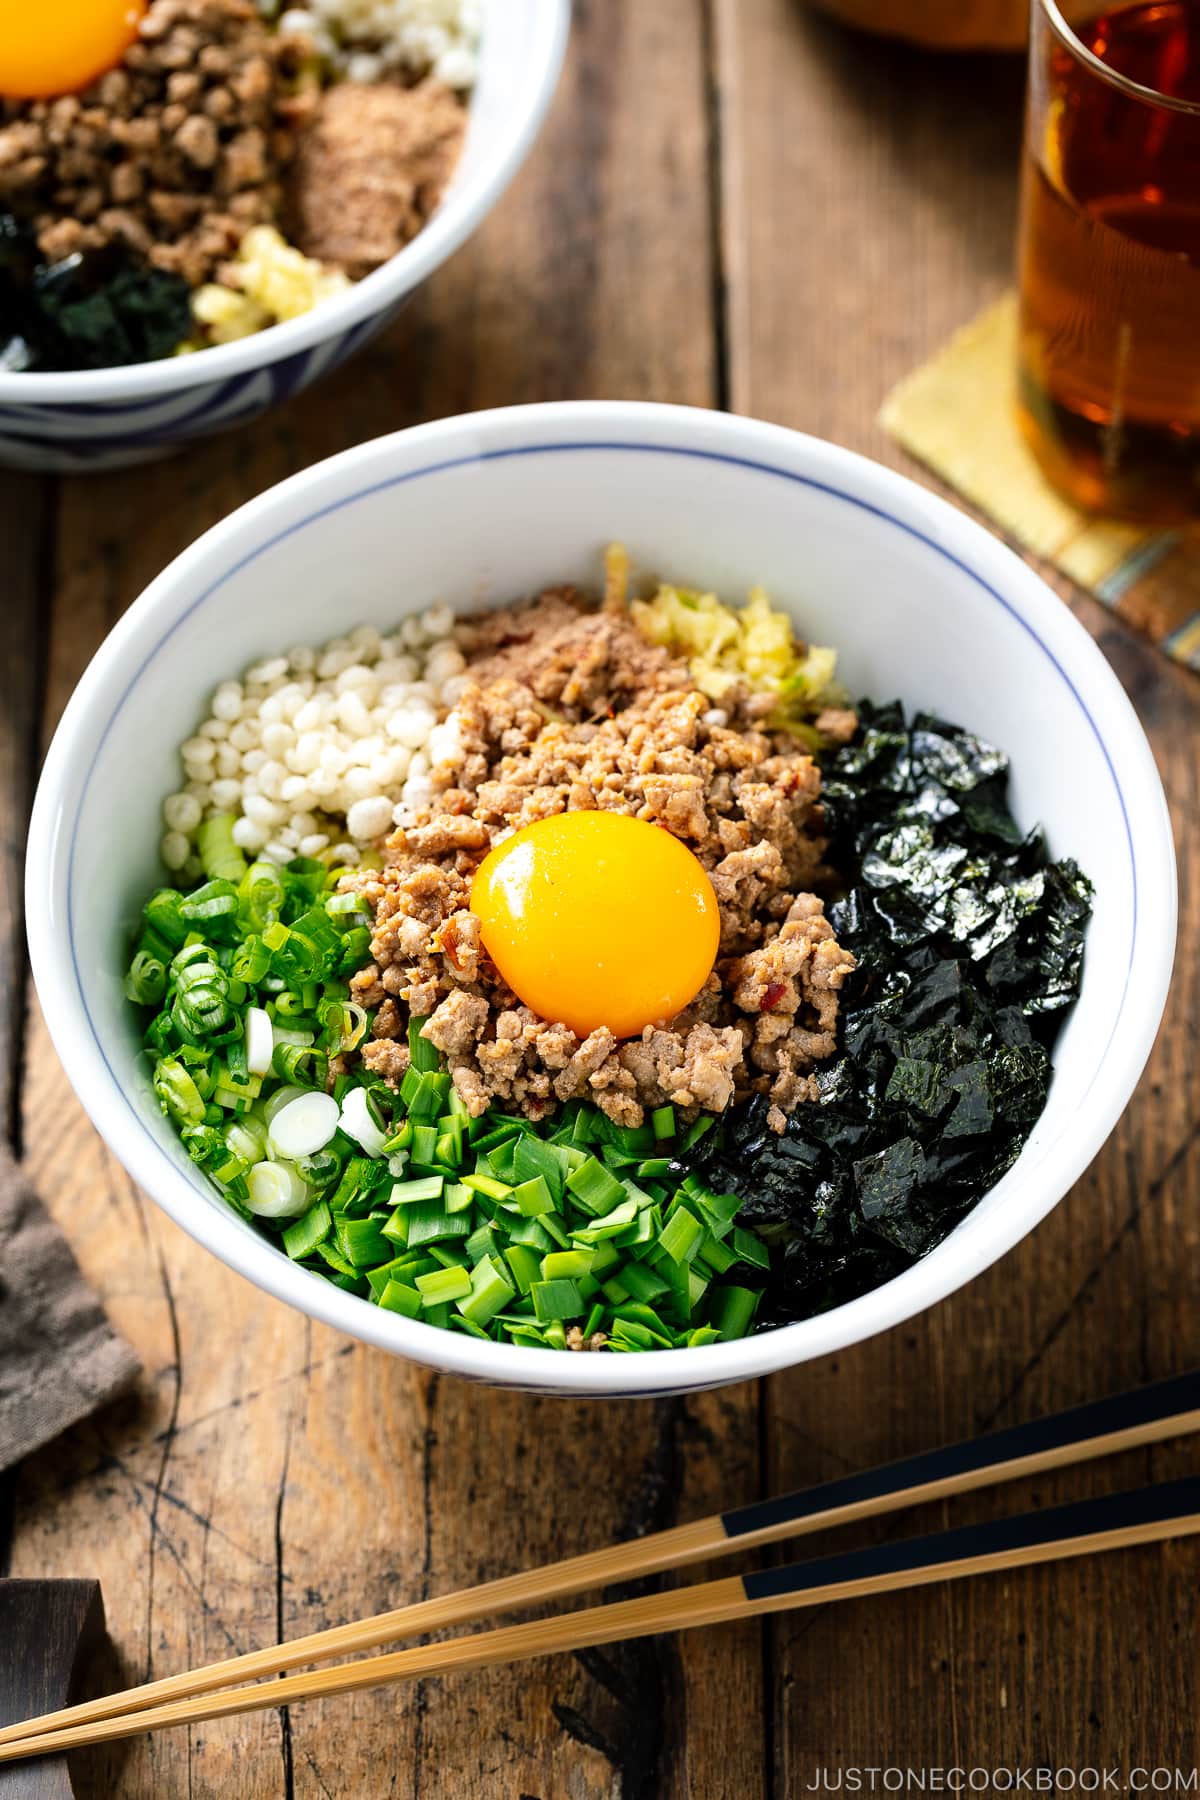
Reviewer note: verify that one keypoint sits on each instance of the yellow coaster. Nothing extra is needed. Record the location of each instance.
(956, 415)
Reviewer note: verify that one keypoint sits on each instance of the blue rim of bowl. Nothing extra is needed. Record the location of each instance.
(445, 465)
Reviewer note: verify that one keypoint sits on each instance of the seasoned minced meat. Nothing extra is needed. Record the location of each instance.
(568, 710)
(371, 168)
(580, 663)
(176, 152)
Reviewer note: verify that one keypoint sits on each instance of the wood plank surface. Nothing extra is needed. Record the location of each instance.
(868, 208)
(271, 1477)
(26, 506)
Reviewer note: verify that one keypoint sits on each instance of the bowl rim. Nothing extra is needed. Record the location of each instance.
(463, 209)
(639, 427)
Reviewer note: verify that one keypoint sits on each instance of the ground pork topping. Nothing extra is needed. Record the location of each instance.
(176, 152)
(566, 709)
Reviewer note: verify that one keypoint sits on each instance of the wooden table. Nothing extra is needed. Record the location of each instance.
(733, 205)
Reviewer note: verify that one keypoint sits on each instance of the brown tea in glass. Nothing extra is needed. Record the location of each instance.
(1109, 357)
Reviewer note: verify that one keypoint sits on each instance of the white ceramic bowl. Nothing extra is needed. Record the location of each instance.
(109, 418)
(921, 602)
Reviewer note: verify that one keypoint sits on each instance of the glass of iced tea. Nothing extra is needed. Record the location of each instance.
(1109, 360)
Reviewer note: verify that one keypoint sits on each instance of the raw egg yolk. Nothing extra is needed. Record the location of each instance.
(57, 46)
(596, 918)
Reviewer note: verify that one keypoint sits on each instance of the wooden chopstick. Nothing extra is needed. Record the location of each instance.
(1101, 1428)
(1113, 1522)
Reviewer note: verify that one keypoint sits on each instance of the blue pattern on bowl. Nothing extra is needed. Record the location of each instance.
(85, 436)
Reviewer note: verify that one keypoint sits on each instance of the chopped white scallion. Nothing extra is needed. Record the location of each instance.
(274, 1190)
(280, 1098)
(304, 1126)
(247, 1138)
(260, 1041)
(357, 1122)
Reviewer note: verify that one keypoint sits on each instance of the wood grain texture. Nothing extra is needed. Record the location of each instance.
(26, 503)
(868, 211)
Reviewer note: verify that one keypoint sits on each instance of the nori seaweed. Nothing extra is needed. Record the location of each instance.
(969, 943)
(101, 310)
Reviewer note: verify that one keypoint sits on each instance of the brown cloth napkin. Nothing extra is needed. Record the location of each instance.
(60, 1358)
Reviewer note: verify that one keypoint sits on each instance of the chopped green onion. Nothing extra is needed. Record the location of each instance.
(573, 1219)
(399, 1298)
(146, 982)
(177, 1093)
(556, 1300)
(212, 910)
(482, 1242)
(525, 1265)
(402, 1268)
(594, 1188)
(532, 1158)
(594, 1319)
(299, 1063)
(485, 1184)
(682, 1236)
(490, 1291)
(424, 1144)
(442, 1285)
(696, 1130)
(330, 1254)
(404, 1193)
(532, 1198)
(247, 1137)
(530, 1233)
(220, 857)
(428, 1223)
(732, 1311)
(163, 913)
(716, 1255)
(448, 1148)
(611, 1225)
(571, 1265)
(424, 1055)
(343, 908)
(449, 1256)
(552, 1223)
(361, 1242)
(301, 1238)
(750, 1248)
(642, 1283)
(401, 1138)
